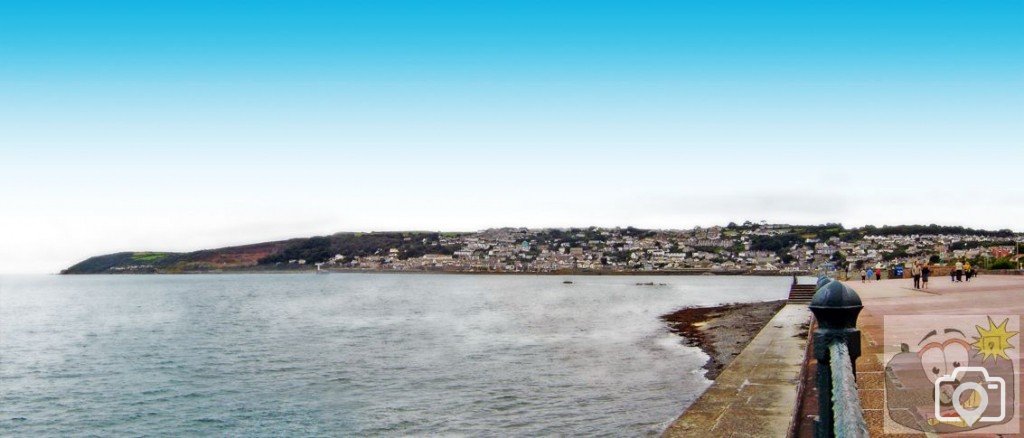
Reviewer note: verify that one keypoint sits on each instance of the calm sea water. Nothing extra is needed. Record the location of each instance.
(350, 354)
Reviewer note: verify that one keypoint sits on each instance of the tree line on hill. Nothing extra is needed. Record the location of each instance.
(322, 248)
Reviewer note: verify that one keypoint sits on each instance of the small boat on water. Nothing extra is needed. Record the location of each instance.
(320, 271)
(567, 282)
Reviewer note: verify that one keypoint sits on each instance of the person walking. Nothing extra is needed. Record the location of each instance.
(878, 273)
(871, 273)
(952, 274)
(916, 273)
(925, 272)
(968, 271)
(959, 271)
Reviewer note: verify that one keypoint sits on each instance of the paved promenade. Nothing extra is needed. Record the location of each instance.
(757, 393)
(990, 294)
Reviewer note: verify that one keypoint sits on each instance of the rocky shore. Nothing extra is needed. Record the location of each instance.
(721, 331)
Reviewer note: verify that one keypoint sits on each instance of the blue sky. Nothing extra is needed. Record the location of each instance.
(183, 125)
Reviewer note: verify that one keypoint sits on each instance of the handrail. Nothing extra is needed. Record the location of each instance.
(837, 347)
(848, 417)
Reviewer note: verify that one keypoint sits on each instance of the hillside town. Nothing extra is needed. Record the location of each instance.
(748, 248)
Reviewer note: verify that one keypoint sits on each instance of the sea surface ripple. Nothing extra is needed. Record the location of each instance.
(350, 354)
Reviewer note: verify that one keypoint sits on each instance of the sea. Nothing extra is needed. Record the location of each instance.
(351, 354)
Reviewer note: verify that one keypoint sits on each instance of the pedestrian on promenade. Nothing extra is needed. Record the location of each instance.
(959, 271)
(925, 272)
(916, 273)
(871, 273)
(952, 274)
(968, 272)
(878, 273)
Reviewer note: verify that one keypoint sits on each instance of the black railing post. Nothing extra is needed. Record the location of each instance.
(835, 307)
(822, 280)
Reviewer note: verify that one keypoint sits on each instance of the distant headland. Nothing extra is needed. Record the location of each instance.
(747, 248)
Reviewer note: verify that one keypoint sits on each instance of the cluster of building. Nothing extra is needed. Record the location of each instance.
(731, 249)
(936, 249)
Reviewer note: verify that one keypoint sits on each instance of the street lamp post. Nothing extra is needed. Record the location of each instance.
(1016, 251)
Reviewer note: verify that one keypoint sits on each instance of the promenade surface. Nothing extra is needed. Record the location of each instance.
(985, 295)
(757, 392)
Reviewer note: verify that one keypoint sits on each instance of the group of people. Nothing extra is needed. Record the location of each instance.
(869, 273)
(962, 272)
(920, 272)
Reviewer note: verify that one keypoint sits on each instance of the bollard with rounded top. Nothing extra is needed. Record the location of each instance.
(822, 280)
(835, 307)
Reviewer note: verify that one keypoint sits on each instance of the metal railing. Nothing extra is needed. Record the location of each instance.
(837, 347)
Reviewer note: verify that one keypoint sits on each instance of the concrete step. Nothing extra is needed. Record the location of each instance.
(801, 293)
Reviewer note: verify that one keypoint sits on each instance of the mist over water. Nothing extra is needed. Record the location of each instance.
(350, 354)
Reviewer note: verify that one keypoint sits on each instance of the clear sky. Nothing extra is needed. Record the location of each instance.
(181, 125)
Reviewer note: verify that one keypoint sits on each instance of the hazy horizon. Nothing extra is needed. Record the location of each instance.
(225, 243)
(177, 126)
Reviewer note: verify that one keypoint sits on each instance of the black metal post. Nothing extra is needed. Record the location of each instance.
(835, 307)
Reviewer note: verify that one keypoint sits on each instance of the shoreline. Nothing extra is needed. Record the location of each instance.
(722, 331)
(707, 272)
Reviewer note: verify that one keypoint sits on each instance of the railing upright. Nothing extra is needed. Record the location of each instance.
(836, 348)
